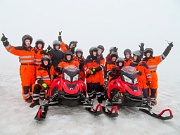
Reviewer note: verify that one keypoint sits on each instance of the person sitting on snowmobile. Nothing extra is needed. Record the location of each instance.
(44, 75)
(39, 53)
(100, 56)
(116, 71)
(111, 64)
(128, 58)
(93, 67)
(65, 47)
(56, 54)
(143, 73)
(108, 57)
(67, 61)
(153, 62)
(81, 61)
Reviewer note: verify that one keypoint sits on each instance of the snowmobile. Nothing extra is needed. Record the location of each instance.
(125, 91)
(67, 90)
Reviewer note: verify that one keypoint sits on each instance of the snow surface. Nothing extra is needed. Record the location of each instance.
(91, 22)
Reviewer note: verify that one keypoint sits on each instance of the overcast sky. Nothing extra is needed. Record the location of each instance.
(121, 23)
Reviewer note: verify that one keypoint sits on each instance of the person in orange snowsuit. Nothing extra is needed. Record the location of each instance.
(44, 75)
(143, 73)
(100, 56)
(26, 58)
(128, 58)
(93, 70)
(67, 61)
(153, 62)
(111, 64)
(39, 53)
(65, 47)
(81, 61)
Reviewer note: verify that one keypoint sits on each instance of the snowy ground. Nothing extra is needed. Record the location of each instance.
(17, 118)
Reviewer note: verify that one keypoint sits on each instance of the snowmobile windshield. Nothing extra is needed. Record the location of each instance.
(71, 73)
(128, 74)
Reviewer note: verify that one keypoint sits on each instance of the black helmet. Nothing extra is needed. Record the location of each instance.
(114, 54)
(56, 43)
(92, 49)
(127, 51)
(101, 47)
(46, 57)
(39, 41)
(68, 53)
(120, 59)
(138, 54)
(148, 50)
(113, 49)
(27, 37)
(79, 51)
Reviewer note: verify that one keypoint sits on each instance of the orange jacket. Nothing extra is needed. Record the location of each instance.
(110, 66)
(102, 61)
(145, 76)
(38, 56)
(43, 75)
(81, 65)
(64, 47)
(89, 65)
(153, 64)
(65, 63)
(26, 55)
(127, 62)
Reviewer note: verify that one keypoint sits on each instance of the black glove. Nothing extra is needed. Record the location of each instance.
(59, 37)
(171, 44)
(43, 52)
(139, 72)
(148, 83)
(4, 39)
(115, 49)
(49, 47)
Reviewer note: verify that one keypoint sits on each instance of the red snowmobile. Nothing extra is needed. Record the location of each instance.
(67, 90)
(125, 91)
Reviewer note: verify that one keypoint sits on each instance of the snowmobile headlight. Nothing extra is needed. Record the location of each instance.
(127, 79)
(75, 78)
(67, 77)
(135, 81)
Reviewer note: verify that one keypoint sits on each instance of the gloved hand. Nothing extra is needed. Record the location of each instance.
(141, 46)
(44, 85)
(171, 44)
(49, 47)
(4, 39)
(73, 43)
(59, 37)
(148, 83)
(139, 72)
(115, 49)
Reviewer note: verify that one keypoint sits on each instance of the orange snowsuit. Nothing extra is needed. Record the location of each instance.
(146, 74)
(152, 64)
(110, 66)
(82, 72)
(37, 57)
(127, 62)
(27, 69)
(89, 65)
(63, 47)
(43, 76)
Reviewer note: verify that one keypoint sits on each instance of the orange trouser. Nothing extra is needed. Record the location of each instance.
(27, 74)
(154, 84)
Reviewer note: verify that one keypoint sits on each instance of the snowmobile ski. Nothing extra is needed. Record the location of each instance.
(41, 114)
(158, 116)
(97, 111)
(113, 112)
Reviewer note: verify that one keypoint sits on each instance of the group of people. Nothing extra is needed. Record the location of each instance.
(39, 67)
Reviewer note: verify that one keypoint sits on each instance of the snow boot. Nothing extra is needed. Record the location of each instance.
(34, 103)
(153, 101)
(28, 100)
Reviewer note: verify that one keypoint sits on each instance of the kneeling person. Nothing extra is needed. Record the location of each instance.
(44, 75)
